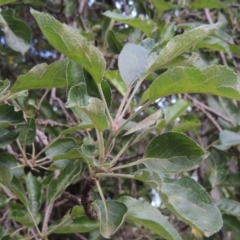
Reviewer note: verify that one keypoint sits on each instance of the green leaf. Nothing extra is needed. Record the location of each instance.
(226, 107)
(60, 147)
(145, 123)
(110, 218)
(188, 122)
(230, 207)
(27, 132)
(43, 76)
(218, 168)
(201, 4)
(145, 25)
(148, 216)
(209, 80)
(5, 175)
(72, 154)
(231, 224)
(18, 33)
(9, 117)
(93, 107)
(10, 161)
(172, 112)
(181, 43)
(132, 62)
(12, 183)
(182, 60)
(115, 78)
(214, 43)
(172, 153)
(23, 217)
(80, 224)
(3, 2)
(4, 85)
(162, 5)
(113, 42)
(17, 188)
(107, 93)
(186, 199)
(229, 139)
(34, 193)
(81, 126)
(6, 137)
(58, 185)
(72, 44)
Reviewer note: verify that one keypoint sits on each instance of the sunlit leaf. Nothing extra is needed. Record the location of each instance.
(208, 80)
(43, 76)
(72, 44)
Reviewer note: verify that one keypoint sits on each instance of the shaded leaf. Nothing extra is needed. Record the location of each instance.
(186, 199)
(6, 137)
(57, 186)
(60, 147)
(71, 43)
(230, 207)
(12, 183)
(23, 217)
(111, 218)
(8, 116)
(113, 42)
(218, 168)
(172, 153)
(115, 78)
(214, 43)
(27, 132)
(80, 224)
(148, 216)
(34, 193)
(172, 112)
(209, 80)
(188, 122)
(93, 107)
(4, 85)
(43, 76)
(81, 126)
(9, 161)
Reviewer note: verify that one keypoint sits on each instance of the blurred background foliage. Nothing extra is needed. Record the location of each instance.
(213, 122)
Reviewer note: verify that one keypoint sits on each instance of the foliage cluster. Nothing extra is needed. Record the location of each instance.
(119, 119)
